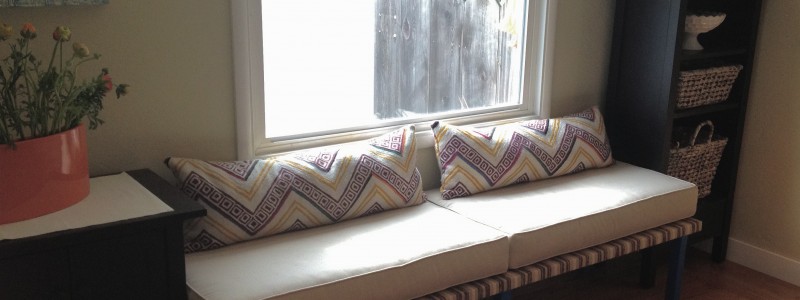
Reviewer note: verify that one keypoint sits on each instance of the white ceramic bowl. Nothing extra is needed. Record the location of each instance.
(699, 23)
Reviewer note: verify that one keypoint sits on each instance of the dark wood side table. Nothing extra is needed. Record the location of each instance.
(133, 258)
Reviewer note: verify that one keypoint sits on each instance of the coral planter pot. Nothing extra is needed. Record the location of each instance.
(43, 175)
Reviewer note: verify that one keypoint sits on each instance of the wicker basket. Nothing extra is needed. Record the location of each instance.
(697, 162)
(706, 86)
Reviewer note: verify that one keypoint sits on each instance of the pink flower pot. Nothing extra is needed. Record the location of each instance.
(43, 175)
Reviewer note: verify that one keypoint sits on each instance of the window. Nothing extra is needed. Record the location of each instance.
(316, 72)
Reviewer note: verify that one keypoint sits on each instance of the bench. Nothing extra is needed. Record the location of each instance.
(518, 203)
(465, 248)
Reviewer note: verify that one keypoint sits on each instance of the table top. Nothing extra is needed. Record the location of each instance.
(161, 204)
(111, 198)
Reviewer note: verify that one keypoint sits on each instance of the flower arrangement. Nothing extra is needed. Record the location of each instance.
(38, 99)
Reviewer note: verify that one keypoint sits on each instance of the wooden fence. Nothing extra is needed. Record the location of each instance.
(440, 55)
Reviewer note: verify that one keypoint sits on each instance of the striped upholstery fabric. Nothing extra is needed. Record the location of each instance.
(476, 160)
(258, 198)
(558, 265)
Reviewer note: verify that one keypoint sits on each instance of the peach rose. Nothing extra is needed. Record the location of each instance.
(28, 31)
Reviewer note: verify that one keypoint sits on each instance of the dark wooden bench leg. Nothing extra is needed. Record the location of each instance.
(504, 295)
(676, 260)
(647, 269)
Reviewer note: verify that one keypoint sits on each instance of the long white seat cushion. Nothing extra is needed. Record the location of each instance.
(400, 254)
(565, 214)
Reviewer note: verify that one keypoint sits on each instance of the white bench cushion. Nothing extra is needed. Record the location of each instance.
(561, 215)
(400, 254)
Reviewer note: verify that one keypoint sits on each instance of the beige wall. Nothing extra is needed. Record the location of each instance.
(176, 55)
(583, 50)
(767, 204)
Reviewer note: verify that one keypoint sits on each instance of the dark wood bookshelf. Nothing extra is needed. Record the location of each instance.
(641, 111)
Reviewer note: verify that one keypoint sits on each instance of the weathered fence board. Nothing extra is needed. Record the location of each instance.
(401, 56)
(438, 55)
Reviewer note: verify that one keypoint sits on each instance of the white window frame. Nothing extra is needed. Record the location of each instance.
(249, 78)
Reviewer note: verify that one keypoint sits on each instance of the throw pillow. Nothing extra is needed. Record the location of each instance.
(474, 160)
(258, 198)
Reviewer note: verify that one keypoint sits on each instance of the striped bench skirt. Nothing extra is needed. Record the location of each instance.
(561, 264)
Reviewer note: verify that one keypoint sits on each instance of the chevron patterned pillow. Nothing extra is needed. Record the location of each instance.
(252, 199)
(474, 160)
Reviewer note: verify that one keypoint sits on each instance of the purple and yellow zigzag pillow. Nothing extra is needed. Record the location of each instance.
(258, 198)
(474, 160)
